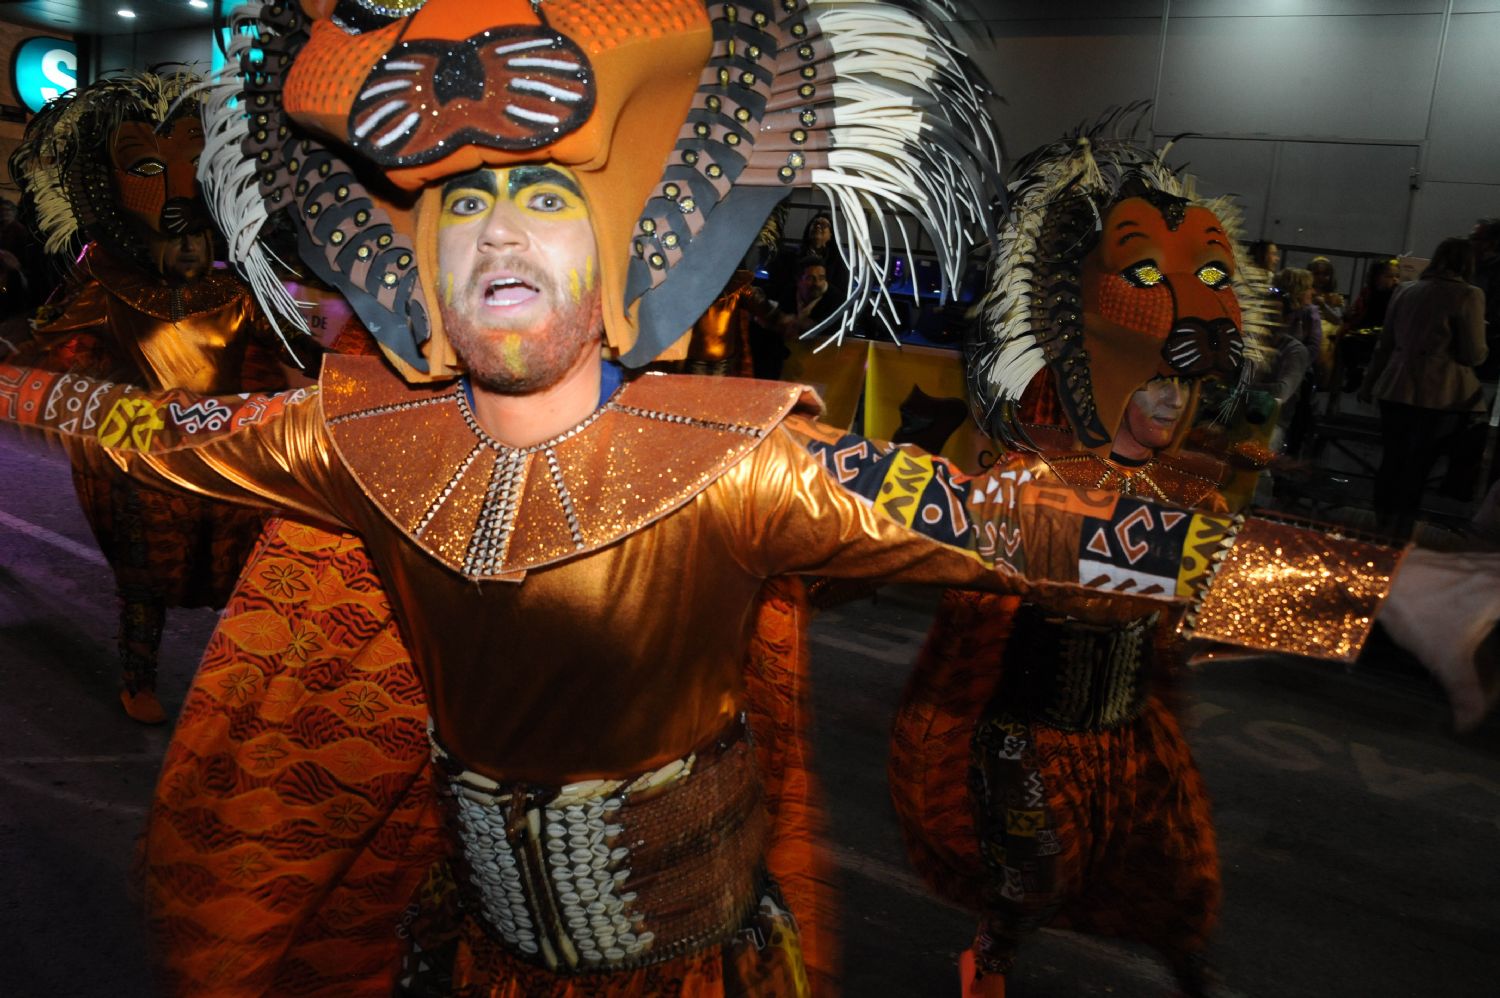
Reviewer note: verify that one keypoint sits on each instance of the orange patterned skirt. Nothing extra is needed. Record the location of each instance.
(1106, 832)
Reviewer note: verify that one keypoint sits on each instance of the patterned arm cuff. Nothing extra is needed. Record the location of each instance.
(124, 419)
(259, 449)
(1293, 588)
(906, 485)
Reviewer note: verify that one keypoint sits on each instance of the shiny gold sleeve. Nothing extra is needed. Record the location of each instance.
(267, 450)
(791, 517)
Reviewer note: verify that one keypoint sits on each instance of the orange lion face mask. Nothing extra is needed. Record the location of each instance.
(1159, 301)
(154, 178)
(114, 163)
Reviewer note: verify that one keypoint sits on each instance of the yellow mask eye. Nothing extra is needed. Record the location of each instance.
(1144, 275)
(147, 168)
(1214, 275)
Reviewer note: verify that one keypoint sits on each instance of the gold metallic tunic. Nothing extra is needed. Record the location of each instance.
(579, 608)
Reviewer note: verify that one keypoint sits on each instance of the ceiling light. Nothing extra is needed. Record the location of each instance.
(200, 4)
(125, 12)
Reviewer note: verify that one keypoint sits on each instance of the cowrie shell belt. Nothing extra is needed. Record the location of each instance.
(611, 874)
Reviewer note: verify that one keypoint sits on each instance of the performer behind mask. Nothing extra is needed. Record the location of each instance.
(1116, 293)
(113, 166)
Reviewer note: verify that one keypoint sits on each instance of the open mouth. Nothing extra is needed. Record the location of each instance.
(508, 292)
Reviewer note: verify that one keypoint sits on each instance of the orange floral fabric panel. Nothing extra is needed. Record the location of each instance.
(778, 703)
(293, 818)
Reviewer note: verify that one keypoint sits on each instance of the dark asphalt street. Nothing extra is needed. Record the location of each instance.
(1358, 834)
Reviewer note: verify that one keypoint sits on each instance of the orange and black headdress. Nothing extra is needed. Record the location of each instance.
(685, 122)
(1109, 272)
(113, 163)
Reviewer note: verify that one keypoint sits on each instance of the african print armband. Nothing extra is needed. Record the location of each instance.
(1094, 538)
(906, 485)
(123, 418)
(1254, 582)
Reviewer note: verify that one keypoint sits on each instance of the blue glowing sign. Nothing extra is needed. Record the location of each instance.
(42, 69)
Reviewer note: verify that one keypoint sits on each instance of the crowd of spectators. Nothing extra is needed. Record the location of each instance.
(1424, 353)
(808, 283)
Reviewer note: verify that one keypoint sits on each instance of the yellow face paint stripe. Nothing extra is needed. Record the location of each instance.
(510, 350)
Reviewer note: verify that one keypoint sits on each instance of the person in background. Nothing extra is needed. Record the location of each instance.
(1299, 313)
(1037, 769)
(817, 244)
(1326, 289)
(1266, 255)
(1302, 322)
(1485, 238)
(112, 166)
(1282, 379)
(1422, 374)
(808, 302)
(1363, 319)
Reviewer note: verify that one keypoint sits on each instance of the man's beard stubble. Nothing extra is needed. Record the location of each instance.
(523, 361)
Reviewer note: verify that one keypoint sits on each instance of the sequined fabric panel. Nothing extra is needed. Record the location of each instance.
(1286, 588)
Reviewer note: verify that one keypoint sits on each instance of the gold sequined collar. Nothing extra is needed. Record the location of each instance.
(1185, 479)
(488, 511)
(1162, 479)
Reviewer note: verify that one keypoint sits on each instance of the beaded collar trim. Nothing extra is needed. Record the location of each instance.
(493, 512)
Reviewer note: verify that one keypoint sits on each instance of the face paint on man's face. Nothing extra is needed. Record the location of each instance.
(512, 244)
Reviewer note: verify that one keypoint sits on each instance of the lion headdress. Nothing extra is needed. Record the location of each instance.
(1109, 271)
(114, 163)
(686, 122)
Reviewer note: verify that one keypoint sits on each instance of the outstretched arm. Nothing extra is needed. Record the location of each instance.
(1256, 582)
(264, 450)
(793, 517)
